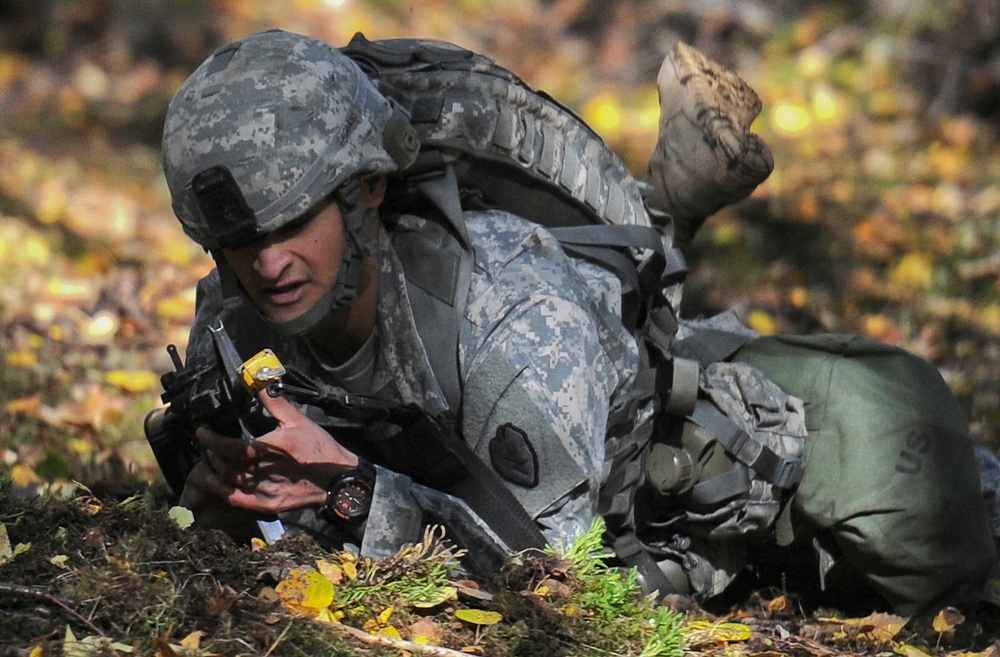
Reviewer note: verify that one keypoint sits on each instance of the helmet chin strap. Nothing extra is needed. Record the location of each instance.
(359, 244)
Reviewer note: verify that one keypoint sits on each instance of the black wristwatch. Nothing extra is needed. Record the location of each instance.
(349, 494)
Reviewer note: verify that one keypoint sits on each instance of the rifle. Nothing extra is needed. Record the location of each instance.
(223, 396)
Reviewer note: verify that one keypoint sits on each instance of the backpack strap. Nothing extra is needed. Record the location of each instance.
(783, 473)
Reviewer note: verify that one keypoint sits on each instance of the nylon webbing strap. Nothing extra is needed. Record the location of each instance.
(487, 495)
(442, 190)
(783, 473)
(710, 345)
(629, 551)
(721, 487)
(683, 386)
(621, 235)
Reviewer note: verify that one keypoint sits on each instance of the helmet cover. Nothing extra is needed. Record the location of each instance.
(263, 130)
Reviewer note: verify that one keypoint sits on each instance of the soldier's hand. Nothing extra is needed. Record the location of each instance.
(287, 468)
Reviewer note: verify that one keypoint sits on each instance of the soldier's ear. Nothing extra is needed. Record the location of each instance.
(373, 191)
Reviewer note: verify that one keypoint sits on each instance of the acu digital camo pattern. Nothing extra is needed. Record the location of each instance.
(289, 116)
(553, 319)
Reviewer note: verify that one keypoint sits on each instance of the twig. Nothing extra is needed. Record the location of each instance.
(399, 644)
(280, 638)
(38, 593)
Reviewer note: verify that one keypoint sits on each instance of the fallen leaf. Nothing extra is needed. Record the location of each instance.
(332, 571)
(193, 641)
(6, 551)
(134, 380)
(479, 616)
(777, 605)
(426, 631)
(721, 632)
(305, 589)
(947, 619)
(907, 650)
(435, 597)
(182, 516)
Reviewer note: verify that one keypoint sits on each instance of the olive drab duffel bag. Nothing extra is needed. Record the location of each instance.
(891, 485)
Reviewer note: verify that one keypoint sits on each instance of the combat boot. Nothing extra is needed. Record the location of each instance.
(705, 156)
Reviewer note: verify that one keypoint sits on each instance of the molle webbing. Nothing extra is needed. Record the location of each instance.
(463, 103)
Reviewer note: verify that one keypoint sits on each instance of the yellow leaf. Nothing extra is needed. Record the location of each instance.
(68, 290)
(722, 632)
(388, 631)
(947, 619)
(59, 560)
(37, 651)
(914, 272)
(29, 406)
(101, 328)
(133, 381)
(762, 322)
(790, 119)
(182, 516)
(907, 650)
(257, 544)
(350, 569)
(478, 616)
(24, 477)
(180, 307)
(193, 641)
(604, 114)
(22, 358)
(326, 615)
(35, 250)
(305, 588)
(436, 597)
(82, 448)
(385, 615)
(332, 571)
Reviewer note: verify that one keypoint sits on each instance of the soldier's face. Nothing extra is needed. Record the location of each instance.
(288, 271)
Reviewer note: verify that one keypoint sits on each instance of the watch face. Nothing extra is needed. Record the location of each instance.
(351, 499)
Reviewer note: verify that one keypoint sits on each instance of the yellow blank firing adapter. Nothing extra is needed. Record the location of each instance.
(261, 370)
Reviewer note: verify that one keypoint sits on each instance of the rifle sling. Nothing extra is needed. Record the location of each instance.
(485, 492)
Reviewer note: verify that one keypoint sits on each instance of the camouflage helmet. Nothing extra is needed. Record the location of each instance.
(267, 127)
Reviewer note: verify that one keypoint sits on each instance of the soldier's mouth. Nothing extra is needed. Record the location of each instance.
(286, 294)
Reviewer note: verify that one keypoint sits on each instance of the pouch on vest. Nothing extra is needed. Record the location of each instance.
(720, 475)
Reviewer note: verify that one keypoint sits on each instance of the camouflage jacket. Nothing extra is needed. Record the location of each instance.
(541, 346)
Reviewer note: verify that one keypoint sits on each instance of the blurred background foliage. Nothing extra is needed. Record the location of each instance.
(882, 215)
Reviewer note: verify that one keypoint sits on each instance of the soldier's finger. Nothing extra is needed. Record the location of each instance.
(281, 409)
(226, 448)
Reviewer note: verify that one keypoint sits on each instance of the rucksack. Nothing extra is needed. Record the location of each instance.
(891, 496)
(490, 141)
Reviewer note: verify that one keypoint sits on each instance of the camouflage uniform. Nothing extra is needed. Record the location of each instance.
(549, 322)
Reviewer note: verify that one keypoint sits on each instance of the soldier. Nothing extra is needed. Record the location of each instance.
(276, 152)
